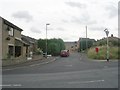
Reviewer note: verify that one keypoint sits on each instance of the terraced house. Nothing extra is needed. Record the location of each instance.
(11, 44)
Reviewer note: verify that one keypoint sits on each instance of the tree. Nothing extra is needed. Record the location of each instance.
(53, 49)
(90, 43)
(54, 45)
(42, 44)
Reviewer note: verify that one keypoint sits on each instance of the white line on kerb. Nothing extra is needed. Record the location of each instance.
(77, 82)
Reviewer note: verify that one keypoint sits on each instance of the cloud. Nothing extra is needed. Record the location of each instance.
(60, 29)
(112, 10)
(83, 19)
(97, 28)
(76, 4)
(23, 15)
(35, 30)
(67, 38)
(65, 21)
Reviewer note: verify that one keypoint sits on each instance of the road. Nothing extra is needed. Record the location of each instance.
(75, 71)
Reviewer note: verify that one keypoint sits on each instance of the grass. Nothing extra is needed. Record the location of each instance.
(113, 53)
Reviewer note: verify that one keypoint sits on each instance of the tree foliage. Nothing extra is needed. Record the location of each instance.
(113, 41)
(86, 43)
(54, 46)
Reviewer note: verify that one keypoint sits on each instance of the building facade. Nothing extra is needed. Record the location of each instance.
(0, 39)
(31, 42)
(11, 45)
(72, 46)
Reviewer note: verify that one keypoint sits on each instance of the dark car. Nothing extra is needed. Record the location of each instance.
(64, 53)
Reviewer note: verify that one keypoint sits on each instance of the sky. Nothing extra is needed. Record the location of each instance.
(67, 18)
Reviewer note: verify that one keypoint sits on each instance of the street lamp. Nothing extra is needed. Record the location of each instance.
(81, 44)
(46, 38)
(107, 32)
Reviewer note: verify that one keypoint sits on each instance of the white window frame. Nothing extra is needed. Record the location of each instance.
(11, 31)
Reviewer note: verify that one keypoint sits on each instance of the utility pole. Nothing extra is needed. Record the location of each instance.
(86, 40)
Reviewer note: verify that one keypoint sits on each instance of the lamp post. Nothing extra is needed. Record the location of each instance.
(107, 32)
(46, 39)
(81, 44)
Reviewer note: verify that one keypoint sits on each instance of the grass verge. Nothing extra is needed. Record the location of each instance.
(113, 53)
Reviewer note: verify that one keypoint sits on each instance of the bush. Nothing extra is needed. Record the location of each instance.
(54, 46)
(38, 51)
(53, 49)
(113, 53)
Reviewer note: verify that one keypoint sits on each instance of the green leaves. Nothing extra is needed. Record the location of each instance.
(54, 46)
(83, 43)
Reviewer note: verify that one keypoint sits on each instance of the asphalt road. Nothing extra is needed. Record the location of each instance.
(75, 71)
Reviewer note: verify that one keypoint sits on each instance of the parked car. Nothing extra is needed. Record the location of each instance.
(64, 53)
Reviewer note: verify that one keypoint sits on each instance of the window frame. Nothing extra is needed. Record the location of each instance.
(11, 31)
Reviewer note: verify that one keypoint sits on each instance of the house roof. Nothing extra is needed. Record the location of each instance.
(28, 39)
(11, 24)
(19, 39)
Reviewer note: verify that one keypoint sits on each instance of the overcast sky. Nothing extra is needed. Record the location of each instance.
(67, 18)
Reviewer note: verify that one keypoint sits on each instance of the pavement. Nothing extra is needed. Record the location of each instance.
(30, 63)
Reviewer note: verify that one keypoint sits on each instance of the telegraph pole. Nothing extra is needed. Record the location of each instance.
(86, 40)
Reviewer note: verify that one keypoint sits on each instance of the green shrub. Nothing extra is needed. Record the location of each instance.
(54, 46)
(113, 53)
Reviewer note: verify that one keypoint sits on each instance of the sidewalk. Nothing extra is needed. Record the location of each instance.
(12, 62)
(34, 61)
(111, 60)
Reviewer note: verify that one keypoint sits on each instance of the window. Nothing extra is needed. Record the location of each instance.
(11, 50)
(11, 31)
(17, 51)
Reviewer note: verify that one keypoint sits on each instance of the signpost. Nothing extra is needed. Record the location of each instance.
(107, 32)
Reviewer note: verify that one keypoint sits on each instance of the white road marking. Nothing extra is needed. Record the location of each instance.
(105, 66)
(78, 82)
(68, 65)
(17, 85)
(10, 85)
(7, 85)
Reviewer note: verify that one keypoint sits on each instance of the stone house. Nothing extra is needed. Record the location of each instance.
(31, 42)
(11, 44)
